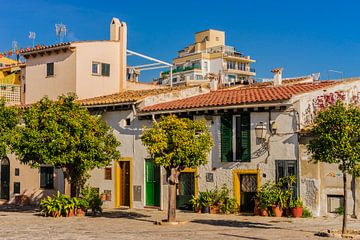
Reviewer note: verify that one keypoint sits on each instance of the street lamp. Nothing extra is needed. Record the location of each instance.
(260, 131)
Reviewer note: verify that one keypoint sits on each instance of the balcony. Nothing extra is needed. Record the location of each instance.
(182, 69)
(245, 72)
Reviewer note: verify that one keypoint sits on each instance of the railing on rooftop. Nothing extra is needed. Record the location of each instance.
(10, 92)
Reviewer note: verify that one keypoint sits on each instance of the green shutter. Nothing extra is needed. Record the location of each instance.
(226, 139)
(245, 137)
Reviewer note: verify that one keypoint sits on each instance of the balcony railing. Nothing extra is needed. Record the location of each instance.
(182, 69)
(10, 92)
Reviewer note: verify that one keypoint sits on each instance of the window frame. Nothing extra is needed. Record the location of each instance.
(47, 69)
(102, 70)
(98, 73)
(48, 185)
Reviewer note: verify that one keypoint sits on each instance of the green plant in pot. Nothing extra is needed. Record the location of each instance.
(196, 204)
(296, 206)
(206, 201)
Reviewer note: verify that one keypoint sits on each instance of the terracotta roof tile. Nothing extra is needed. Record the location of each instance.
(43, 47)
(128, 96)
(245, 95)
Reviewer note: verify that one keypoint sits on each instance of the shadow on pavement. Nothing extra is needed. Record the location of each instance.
(233, 223)
(20, 209)
(125, 214)
(242, 237)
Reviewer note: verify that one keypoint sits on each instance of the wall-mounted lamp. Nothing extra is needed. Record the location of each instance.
(260, 131)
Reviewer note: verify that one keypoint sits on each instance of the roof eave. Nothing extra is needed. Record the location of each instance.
(255, 105)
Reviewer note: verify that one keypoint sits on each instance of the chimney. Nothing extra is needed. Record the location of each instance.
(118, 32)
(277, 76)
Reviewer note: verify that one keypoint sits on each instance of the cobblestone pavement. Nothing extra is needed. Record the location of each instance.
(139, 224)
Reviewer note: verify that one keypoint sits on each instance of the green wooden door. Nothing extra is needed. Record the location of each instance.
(5, 179)
(152, 188)
(185, 190)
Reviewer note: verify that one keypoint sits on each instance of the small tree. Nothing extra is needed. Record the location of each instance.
(336, 140)
(64, 134)
(177, 143)
(8, 120)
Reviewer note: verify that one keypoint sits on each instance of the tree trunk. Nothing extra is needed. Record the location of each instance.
(344, 227)
(173, 178)
(172, 203)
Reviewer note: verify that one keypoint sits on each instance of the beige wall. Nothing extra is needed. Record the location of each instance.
(39, 85)
(215, 38)
(73, 72)
(89, 85)
(29, 179)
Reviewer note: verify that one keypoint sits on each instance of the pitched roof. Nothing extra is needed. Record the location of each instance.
(246, 95)
(44, 47)
(128, 96)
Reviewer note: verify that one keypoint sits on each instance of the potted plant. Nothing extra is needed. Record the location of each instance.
(265, 198)
(196, 204)
(206, 201)
(296, 206)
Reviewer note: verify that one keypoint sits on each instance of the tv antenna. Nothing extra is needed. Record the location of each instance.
(32, 36)
(60, 31)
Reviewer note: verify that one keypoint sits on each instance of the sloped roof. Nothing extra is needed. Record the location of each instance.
(128, 96)
(238, 96)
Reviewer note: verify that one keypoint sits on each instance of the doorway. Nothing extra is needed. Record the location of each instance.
(286, 168)
(248, 190)
(5, 179)
(152, 184)
(246, 185)
(185, 190)
(124, 183)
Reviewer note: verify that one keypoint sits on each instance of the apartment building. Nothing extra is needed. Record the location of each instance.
(209, 57)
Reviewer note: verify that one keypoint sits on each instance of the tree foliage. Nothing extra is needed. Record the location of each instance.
(178, 142)
(9, 118)
(336, 137)
(64, 134)
(336, 140)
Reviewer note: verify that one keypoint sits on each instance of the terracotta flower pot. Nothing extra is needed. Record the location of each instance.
(296, 212)
(80, 212)
(56, 214)
(264, 212)
(197, 209)
(71, 213)
(257, 211)
(277, 211)
(214, 209)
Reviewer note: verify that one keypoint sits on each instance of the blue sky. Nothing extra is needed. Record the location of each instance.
(301, 36)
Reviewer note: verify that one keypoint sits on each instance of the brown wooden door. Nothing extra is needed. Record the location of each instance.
(124, 183)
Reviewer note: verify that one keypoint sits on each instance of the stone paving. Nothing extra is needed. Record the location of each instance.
(139, 224)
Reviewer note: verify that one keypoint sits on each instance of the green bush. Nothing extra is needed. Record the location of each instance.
(217, 198)
(306, 213)
(61, 205)
(93, 198)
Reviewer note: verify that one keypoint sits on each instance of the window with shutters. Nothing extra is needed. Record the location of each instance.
(105, 69)
(226, 138)
(235, 138)
(242, 136)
